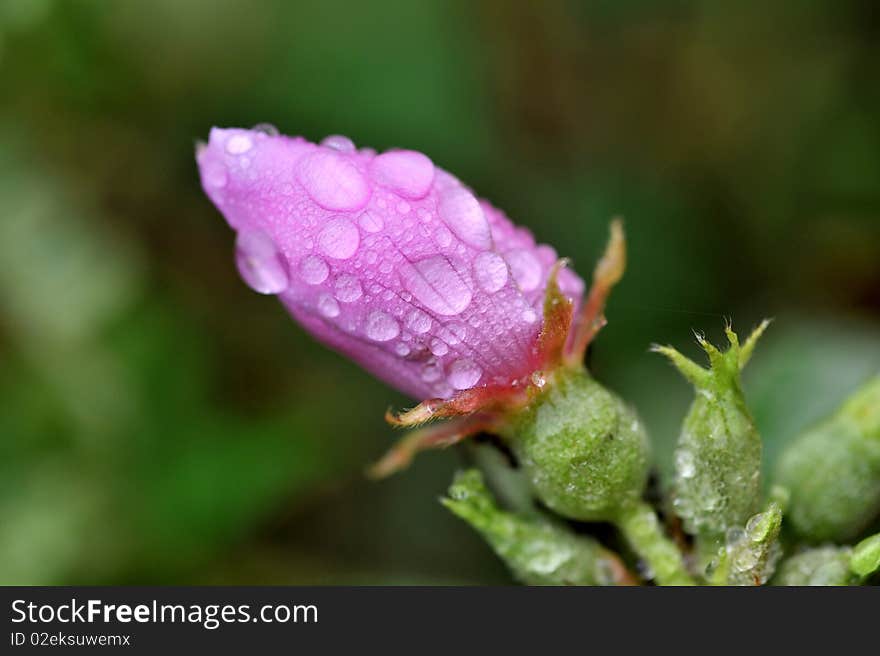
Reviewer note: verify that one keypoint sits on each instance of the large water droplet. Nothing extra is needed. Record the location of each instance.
(525, 267)
(490, 271)
(338, 142)
(348, 288)
(328, 306)
(407, 172)
(371, 222)
(464, 374)
(381, 327)
(333, 182)
(260, 263)
(313, 269)
(238, 144)
(437, 285)
(462, 213)
(418, 322)
(339, 238)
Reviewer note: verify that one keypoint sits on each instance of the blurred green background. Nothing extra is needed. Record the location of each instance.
(160, 423)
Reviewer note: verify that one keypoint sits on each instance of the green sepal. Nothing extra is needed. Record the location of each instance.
(718, 457)
(537, 551)
(750, 554)
(833, 471)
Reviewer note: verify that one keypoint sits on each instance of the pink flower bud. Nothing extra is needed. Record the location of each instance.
(384, 257)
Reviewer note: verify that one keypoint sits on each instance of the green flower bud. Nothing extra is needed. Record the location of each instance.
(583, 449)
(865, 559)
(820, 566)
(718, 458)
(750, 554)
(833, 471)
(537, 551)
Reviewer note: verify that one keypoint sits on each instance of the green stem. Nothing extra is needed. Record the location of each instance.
(641, 528)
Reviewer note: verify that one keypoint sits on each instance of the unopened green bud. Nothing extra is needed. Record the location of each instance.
(583, 449)
(537, 551)
(833, 471)
(865, 559)
(750, 554)
(820, 566)
(718, 458)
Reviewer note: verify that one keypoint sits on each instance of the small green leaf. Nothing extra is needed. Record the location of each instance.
(865, 559)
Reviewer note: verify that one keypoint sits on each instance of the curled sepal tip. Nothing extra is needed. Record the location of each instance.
(608, 272)
(537, 551)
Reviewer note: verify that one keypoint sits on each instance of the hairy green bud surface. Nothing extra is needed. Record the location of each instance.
(718, 457)
(583, 449)
(865, 559)
(537, 551)
(833, 471)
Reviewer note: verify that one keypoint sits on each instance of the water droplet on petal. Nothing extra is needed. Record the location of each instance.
(464, 374)
(371, 222)
(348, 288)
(443, 236)
(490, 271)
(525, 267)
(333, 182)
(238, 144)
(437, 285)
(339, 238)
(462, 213)
(439, 347)
(338, 142)
(432, 372)
(328, 306)
(381, 327)
(407, 172)
(260, 263)
(401, 349)
(418, 322)
(313, 269)
(529, 315)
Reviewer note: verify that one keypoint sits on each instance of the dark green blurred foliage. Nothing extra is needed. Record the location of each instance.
(161, 423)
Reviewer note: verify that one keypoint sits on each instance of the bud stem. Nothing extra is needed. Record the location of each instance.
(641, 528)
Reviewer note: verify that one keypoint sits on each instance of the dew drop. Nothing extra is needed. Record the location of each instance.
(328, 306)
(333, 182)
(259, 262)
(439, 347)
(684, 464)
(338, 142)
(443, 236)
(525, 267)
(313, 269)
(464, 374)
(401, 349)
(339, 238)
(238, 144)
(381, 327)
(529, 315)
(437, 285)
(432, 372)
(462, 213)
(371, 222)
(407, 172)
(348, 288)
(490, 271)
(418, 322)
